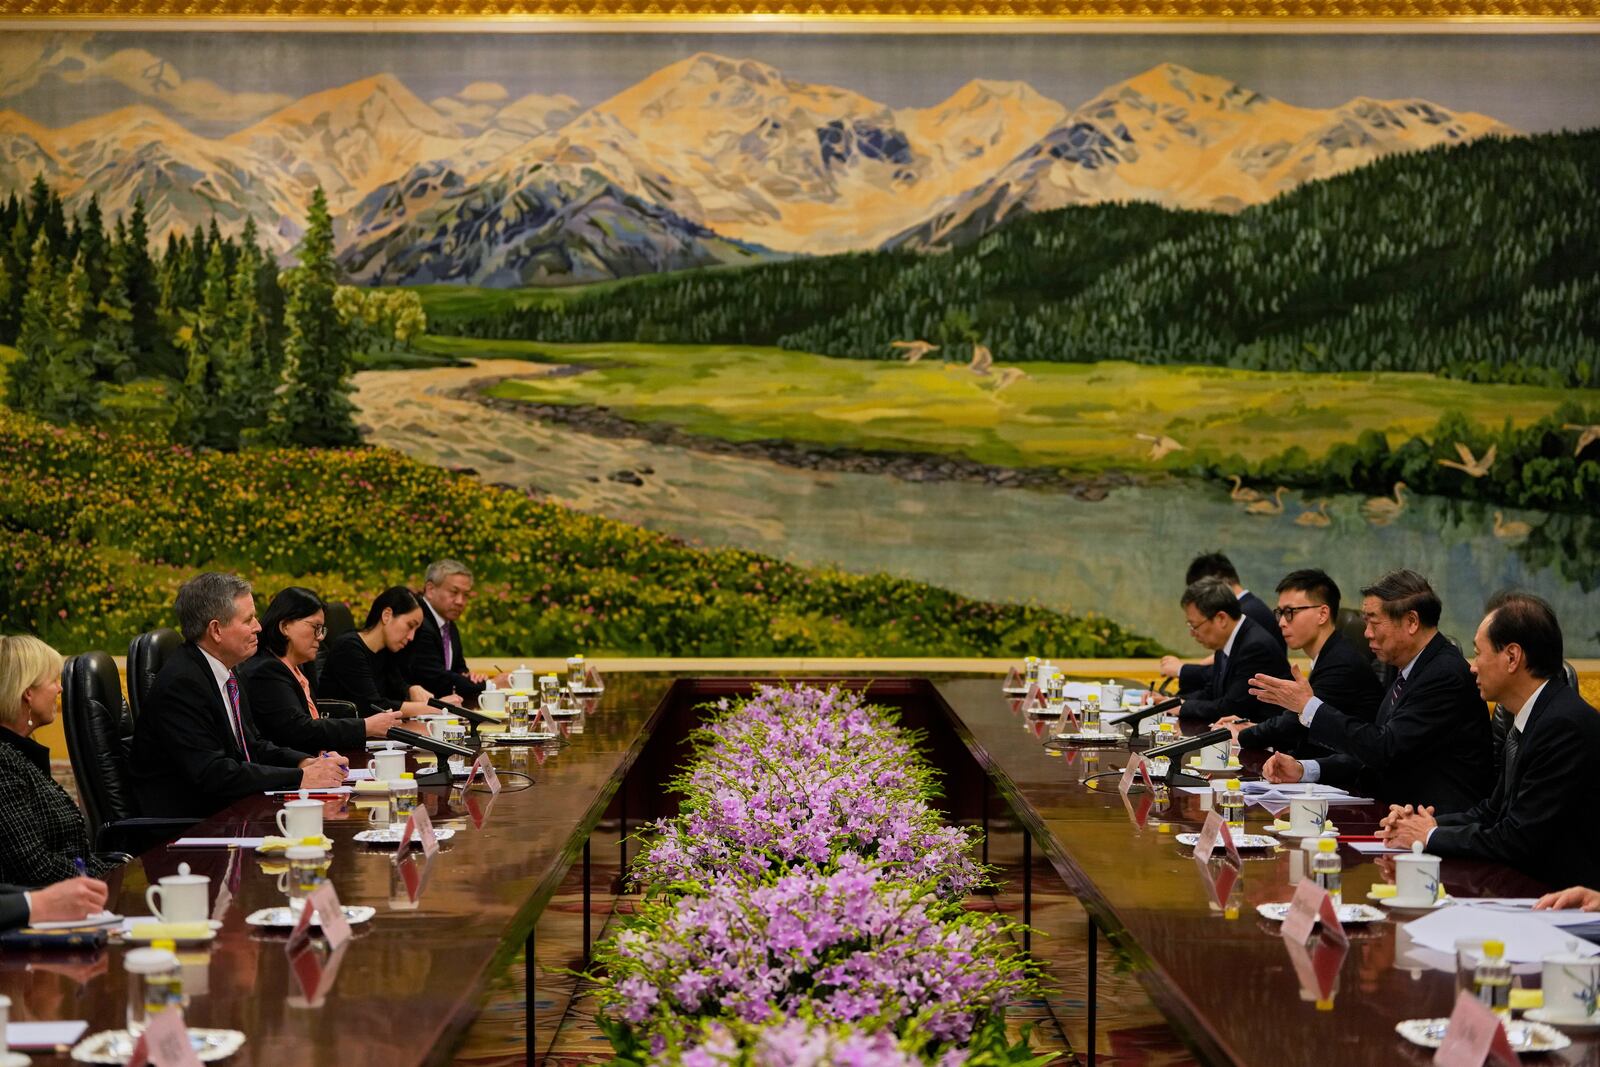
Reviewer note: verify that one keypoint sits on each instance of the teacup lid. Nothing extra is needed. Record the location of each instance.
(490, 687)
(183, 877)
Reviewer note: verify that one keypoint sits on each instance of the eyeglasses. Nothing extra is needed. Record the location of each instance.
(1290, 612)
(320, 630)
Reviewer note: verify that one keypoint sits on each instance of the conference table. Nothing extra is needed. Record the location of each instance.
(412, 979)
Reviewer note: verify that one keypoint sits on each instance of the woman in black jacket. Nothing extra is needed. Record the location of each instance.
(275, 681)
(43, 836)
(363, 666)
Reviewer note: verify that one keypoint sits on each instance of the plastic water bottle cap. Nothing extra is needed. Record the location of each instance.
(1494, 949)
(1326, 844)
(1233, 783)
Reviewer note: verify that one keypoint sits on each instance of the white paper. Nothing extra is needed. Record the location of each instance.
(99, 918)
(217, 842)
(1524, 906)
(1261, 785)
(358, 774)
(45, 1036)
(1375, 848)
(1527, 939)
(334, 790)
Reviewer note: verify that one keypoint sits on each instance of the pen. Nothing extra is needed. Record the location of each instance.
(83, 869)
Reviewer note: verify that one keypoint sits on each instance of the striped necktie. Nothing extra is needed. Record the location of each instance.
(238, 723)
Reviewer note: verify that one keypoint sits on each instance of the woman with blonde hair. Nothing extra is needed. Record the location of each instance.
(43, 835)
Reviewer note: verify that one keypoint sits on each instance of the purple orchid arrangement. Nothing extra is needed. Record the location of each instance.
(805, 907)
(801, 777)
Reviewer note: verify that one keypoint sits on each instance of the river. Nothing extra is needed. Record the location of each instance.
(1123, 556)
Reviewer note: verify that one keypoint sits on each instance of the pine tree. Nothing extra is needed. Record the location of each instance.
(311, 405)
(52, 378)
(203, 415)
(76, 307)
(18, 255)
(144, 291)
(114, 348)
(96, 249)
(248, 377)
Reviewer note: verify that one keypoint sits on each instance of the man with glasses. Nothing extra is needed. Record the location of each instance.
(1430, 743)
(435, 659)
(1196, 676)
(1242, 650)
(1308, 605)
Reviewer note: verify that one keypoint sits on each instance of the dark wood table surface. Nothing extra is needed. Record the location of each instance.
(1228, 985)
(414, 977)
(411, 980)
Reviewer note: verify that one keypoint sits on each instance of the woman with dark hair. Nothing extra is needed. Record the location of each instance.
(363, 666)
(275, 679)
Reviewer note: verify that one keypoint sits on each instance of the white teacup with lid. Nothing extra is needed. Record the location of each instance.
(522, 679)
(1416, 878)
(492, 698)
(183, 897)
(387, 765)
(1570, 984)
(300, 818)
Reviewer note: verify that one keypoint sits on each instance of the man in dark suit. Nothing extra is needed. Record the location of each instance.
(1193, 677)
(435, 659)
(1430, 743)
(1536, 819)
(74, 898)
(1241, 650)
(1308, 607)
(195, 747)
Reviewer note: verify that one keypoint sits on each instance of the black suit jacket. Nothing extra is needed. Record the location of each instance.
(1196, 676)
(424, 665)
(185, 760)
(278, 705)
(1534, 820)
(13, 906)
(1431, 747)
(1341, 677)
(372, 681)
(1228, 692)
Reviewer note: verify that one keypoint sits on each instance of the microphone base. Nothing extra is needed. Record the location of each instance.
(439, 776)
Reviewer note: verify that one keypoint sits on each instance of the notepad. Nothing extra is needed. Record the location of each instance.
(45, 1036)
(217, 842)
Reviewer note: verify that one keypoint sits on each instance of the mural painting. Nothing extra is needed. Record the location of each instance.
(799, 343)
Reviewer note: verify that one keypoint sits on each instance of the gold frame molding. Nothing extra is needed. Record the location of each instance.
(1319, 14)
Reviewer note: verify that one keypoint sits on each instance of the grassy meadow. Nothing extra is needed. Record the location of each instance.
(1078, 416)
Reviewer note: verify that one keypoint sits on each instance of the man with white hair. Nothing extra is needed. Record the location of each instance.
(435, 658)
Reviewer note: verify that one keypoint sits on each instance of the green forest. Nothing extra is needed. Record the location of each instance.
(208, 341)
(1478, 261)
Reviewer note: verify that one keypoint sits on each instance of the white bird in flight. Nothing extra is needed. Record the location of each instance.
(1009, 376)
(1470, 466)
(1589, 436)
(982, 360)
(1160, 445)
(914, 350)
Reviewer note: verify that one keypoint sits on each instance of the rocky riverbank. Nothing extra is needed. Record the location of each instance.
(598, 421)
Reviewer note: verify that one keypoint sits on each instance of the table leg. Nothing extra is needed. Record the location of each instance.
(529, 994)
(586, 902)
(984, 807)
(1027, 891)
(1089, 1000)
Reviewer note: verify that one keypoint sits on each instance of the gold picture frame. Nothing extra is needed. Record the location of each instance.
(1224, 14)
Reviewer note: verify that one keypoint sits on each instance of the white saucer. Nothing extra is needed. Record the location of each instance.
(391, 836)
(114, 1046)
(565, 713)
(282, 918)
(1089, 739)
(1394, 902)
(16, 1059)
(518, 739)
(1014, 691)
(1525, 1038)
(586, 690)
(1296, 835)
(1243, 842)
(1538, 1015)
(1349, 914)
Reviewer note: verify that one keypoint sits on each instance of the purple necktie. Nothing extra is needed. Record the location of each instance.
(446, 637)
(238, 723)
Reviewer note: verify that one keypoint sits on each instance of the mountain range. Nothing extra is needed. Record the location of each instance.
(708, 160)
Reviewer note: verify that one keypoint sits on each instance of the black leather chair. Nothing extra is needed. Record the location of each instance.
(147, 653)
(337, 618)
(98, 731)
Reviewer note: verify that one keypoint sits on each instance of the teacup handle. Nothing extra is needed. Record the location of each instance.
(282, 819)
(151, 895)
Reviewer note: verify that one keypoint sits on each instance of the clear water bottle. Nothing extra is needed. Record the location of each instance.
(1231, 807)
(1492, 979)
(1326, 870)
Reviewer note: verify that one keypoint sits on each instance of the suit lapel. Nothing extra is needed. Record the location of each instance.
(218, 700)
(1552, 689)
